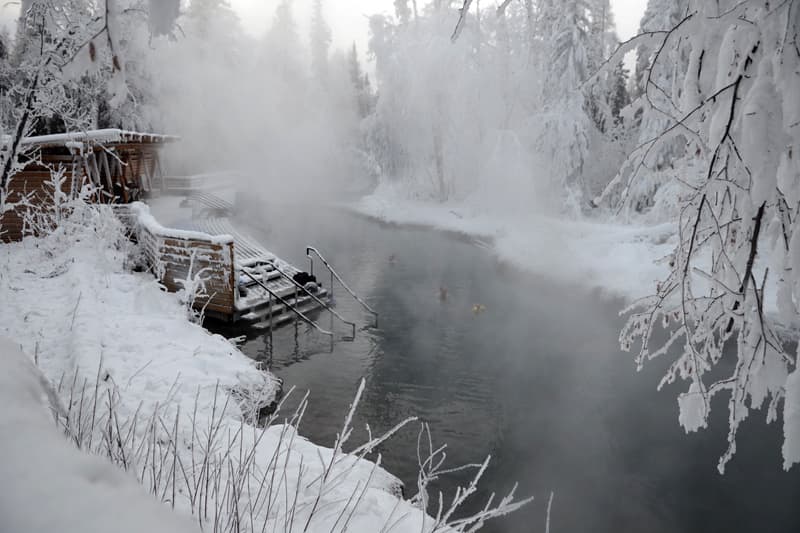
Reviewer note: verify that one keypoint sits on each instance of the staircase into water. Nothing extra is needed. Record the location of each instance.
(270, 291)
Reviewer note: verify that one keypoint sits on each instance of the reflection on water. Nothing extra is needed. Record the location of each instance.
(534, 378)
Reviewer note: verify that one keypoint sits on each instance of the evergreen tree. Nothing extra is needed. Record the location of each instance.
(361, 84)
(205, 16)
(658, 16)
(354, 67)
(320, 42)
(620, 97)
(282, 45)
(402, 11)
(603, 40)
(571, 47)
(6, 79)
(4, 44)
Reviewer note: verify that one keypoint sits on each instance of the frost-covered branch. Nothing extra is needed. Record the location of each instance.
(462, 19)
(737, 230)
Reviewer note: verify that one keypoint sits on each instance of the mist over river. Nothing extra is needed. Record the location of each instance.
(512, 365)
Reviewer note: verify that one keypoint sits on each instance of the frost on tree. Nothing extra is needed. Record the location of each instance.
(321, 39)
(735, 272)
(487, 103)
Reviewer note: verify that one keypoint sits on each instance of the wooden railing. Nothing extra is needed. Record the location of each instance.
(175, 256)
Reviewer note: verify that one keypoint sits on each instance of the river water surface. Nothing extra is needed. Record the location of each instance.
(535, 379)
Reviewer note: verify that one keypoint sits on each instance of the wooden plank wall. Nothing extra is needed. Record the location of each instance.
(213, 261)
(121, 173)
(170, 258)
(36, 184)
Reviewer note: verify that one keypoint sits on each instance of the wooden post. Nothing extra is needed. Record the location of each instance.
(234, 281)
(107, 170)
(159, 171)
(124, 180)
(147, 181)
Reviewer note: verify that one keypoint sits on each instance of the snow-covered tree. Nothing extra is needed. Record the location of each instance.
(402, 11)
(619, 98)
(6, 76)
(512, 82)
(658, 81)
(361, 84)
(659, 15)
(736, 109)
(206, 17)
(570, 110)
(282, 51)
(320, 42)
(66, 50)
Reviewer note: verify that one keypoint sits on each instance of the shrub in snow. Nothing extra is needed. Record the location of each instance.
(237, 477)
(192, 288)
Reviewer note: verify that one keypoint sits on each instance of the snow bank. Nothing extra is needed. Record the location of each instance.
(49, 485)
(164, 400)
(71, 303)
(617, 259)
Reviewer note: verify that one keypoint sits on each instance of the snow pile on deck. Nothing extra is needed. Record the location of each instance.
(52, 486)
(622, 260)
(142, 216)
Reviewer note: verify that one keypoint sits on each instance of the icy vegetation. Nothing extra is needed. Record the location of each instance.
(676, 186)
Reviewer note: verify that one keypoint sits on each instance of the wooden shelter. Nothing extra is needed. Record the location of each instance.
(122, 165)
(230, 277)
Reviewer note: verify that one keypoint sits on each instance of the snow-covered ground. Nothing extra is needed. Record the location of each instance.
(162, 398)
(71, 303)
(49, 485)
(621, 260)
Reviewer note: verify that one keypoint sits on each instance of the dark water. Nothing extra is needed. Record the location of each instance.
(536, 380)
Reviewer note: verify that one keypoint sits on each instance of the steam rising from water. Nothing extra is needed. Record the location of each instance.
(252, 106)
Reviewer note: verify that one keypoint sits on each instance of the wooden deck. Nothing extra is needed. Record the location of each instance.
(244, 283)
(254, 303)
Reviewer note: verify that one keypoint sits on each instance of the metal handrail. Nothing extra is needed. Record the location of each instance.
(364, 304)
(316, 299)
(287, 305)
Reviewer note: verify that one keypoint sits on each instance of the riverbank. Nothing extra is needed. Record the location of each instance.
(530, 378)
(169, 402)
(619, 260)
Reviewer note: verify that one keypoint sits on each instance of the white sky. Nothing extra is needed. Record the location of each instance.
(347, 18)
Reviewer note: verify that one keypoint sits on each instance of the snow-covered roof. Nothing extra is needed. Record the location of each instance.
(106, 136)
